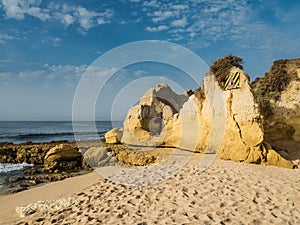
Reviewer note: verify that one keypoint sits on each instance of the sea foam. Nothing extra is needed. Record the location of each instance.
(8, 167)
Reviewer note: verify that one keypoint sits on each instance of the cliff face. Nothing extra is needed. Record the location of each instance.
(243, 138)
(240, 124)
(278, 94)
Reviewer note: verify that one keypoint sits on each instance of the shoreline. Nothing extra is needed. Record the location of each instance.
(34, 153)
(101, 154)
(48, 191)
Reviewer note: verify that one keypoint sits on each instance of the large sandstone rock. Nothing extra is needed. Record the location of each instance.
(63, 157)
(225, 121)
(244, 131)
(145, 122)
(278, 93)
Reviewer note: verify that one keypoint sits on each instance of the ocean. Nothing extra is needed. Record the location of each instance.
(45, 131)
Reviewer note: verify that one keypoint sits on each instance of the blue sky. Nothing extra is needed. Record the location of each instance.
(45, 46)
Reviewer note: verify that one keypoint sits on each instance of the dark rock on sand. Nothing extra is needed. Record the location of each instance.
(63, 157)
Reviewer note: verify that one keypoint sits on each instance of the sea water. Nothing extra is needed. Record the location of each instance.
(44, 131)
(47, 131)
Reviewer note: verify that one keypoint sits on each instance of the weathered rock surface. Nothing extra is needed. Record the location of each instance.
(100, 156)
(144, 123)
(280, 101)
(278, 94)
(33, 153)
(228, 121)
(63, 157)
(114, 136)
(243, 127)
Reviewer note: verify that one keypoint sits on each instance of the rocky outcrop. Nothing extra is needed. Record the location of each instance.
(136, 158)
(145, 122)
(99, 157)
(63, 157)
(278, 94)
(243, 135)
(114, 136)
(24, 153)
(34, 153)
(228, 121)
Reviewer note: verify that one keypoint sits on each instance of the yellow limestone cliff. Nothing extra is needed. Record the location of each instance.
(227, 122)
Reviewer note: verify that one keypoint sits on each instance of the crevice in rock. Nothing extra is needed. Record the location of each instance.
(233, 117)
(264, 151)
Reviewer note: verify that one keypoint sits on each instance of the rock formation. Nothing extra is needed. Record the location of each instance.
(63, 157)
(24, 153)
(145, 122)
(99, 156)
(212, 119)
(278, 94)
(114, 136)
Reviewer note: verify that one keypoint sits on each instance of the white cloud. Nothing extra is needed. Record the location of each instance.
(5, 37)
(54, 41)
(157, 29)
(64, 13)
(101, 21)
(179, 23)
(85, 17)
(31, 74)
(161, 16)
(63, 74)
(139, 73)
(94, 72)
(180, 7)
(200, 19)
(67, 19)
(17, 9)
(151, 3)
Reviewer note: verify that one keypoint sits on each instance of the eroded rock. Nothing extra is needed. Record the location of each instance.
(145, 122)
(278, 94)
(224, 121)
(63, 157)
(114, 136)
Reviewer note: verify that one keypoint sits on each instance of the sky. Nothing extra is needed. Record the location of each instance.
(47, 46)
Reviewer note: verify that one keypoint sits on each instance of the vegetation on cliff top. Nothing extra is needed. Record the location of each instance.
(221, 67)
(272, 84)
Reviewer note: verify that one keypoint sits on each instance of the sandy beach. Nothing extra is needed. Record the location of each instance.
(225, 193)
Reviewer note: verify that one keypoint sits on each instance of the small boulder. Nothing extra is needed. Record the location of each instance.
(114, 136)
(96, 156)
(63, 157)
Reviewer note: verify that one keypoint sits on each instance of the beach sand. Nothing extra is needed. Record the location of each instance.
(225, 193)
